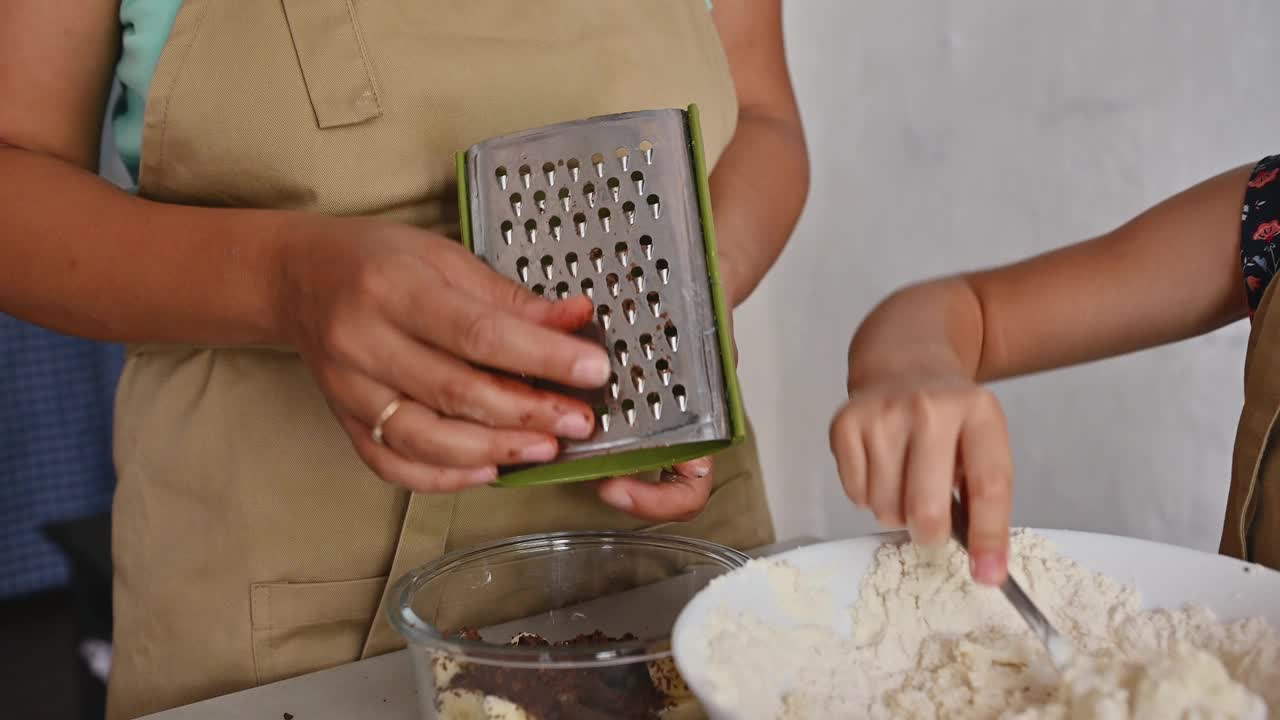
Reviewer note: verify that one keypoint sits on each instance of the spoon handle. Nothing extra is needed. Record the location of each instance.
(1059, 649)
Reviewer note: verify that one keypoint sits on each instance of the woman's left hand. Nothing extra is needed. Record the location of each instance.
(679, 496)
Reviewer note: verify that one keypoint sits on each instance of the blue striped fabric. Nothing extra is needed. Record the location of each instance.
(56, 398)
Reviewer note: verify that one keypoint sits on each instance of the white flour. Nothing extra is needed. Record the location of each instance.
(928, 642)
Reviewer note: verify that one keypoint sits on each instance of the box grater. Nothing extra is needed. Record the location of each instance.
(617, 208)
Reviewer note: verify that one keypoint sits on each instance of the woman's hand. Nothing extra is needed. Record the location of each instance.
(383, 312)
(679, 496)
(901, 444)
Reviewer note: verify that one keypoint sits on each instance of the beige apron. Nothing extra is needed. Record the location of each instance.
(1251, 530)
(250, 542)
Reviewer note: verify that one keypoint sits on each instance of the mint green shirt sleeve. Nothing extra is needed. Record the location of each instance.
(144, 29)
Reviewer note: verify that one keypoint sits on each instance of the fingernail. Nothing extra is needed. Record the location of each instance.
(987, 568)
(482, 476)
(540, 452)
(574, 426)
(591, 370)
(700, 468)
(618, 497)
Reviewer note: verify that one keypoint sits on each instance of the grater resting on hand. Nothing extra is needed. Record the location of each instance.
(617, 208)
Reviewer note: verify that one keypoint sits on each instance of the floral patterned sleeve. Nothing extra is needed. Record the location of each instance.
(1260, 228)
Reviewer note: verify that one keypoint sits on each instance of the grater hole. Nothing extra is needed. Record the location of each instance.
(562, 290)
(637, 378)
(602, 414)
(681, 396)
(646, 347)
(597, 259)
(620, 352)
(549, 172)
(646, 246)
(564, 198)
(664, 270)
(620, 251)
(629, 209)
(531, 231)
(629, 411)
(655, 302)
(637, 179)
(540, 199)
(655, 405)
(539, 289)
(673, 337)
(655, 206)
(501, 175)
(522, 268)
(614, 187)
(575, 168)
(526, 175)
(507, 228)
(624, 157)
(664, 371)
(611, 282)
(614, 389)
(516, 203)
(571, 262)
(605, 218)
(547, 266)
(580, 224)
(604, 313)
(646, 148)
(629, 310)
(589, 192)
(588, 287)
(597, 161)
(554, 223)
(637, 278)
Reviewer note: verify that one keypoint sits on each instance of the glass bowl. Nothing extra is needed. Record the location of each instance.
(558, 625)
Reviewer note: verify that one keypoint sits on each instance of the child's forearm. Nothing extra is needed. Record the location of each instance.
(1171, 273)
(923, 330)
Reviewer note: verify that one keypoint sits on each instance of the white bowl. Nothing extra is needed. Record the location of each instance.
(1167, 576)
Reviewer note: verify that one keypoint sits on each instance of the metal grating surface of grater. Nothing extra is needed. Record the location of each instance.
(608, 207)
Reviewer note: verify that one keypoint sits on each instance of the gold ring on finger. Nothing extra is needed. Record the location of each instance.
(383, 417)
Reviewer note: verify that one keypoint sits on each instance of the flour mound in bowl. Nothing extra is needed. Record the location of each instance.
(928, 642)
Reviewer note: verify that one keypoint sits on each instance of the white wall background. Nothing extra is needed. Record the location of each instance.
(950, 135)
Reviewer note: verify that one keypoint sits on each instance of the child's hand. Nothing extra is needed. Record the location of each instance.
(902, 444)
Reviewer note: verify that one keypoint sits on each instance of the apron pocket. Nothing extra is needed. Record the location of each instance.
(335, 61)
(304, 627)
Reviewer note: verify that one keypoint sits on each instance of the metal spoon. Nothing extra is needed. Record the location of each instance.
(1060, 650)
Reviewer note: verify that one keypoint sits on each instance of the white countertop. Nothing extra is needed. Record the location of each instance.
(380, 688)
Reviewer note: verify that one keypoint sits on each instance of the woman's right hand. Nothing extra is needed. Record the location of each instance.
(903, 443)
(381, 311)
